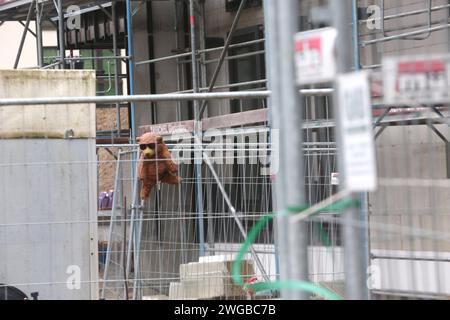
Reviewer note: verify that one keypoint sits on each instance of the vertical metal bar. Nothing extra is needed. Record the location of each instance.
(180, 86)
(131, 65)
(24, 35)
(286, 106)
(203, 81)
(134, 219)
(124, 248)
(135, 177)
(137, 248)
(117, 63)
(223, 55)
(355, 279)
(111, 225)
(202, 47)
(40, 54)
(198, 156)
(62, 44)
(291, 140)
(364, 197)
(355, 35)
(273, 121)
(177, 61)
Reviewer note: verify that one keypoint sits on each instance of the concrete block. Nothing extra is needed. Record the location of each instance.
(35, 249)
(216, 285)
(197, 270)
(157, 297)
(47, 121)
(176, 291)
(209, 280)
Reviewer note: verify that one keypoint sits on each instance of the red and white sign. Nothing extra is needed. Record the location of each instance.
(414, 80)
(334, 178)
(314, 56)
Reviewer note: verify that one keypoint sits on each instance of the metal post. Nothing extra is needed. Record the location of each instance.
(355, 35)
(198, 155)
(131, 65)
(177, 45)
(40, 55)
(291, 143)
(134, 221)
(223, 54)
(117, 63)
(24, 35)
(62, 47)
(356, 288)
(137, 98)
(286, 107)
(271, 46)
(364, 214)
(202, 47)
(114, 214)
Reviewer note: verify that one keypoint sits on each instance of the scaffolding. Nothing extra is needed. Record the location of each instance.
(215, 208)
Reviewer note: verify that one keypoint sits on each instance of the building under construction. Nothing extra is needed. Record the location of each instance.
(310, 136)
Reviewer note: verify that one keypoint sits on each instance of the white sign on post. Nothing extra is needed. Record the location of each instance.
(417, 79)
(334, 178)
(355, 114)
(314, 56)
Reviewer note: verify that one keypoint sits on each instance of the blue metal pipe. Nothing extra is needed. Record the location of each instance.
(355, 35)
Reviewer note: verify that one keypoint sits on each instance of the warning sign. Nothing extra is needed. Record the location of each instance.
(334, 178)
(314, 56)
(356, 132)
(413, 80)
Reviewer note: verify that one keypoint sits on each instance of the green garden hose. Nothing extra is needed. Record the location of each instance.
(279, 285)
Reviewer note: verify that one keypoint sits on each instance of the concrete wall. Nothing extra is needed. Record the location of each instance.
(48, 209)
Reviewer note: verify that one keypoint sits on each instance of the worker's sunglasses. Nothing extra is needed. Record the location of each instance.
(145, 146)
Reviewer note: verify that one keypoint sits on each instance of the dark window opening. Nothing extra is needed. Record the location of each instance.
(233, 5)
(244, 68)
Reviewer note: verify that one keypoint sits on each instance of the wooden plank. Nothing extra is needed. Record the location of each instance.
(225, 121)
(236, 119)
(121, 140)
(164, 129)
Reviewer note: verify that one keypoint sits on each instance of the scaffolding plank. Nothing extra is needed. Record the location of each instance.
(235, 119)
(219, 122)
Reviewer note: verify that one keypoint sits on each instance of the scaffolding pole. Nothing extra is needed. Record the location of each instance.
(188, 54)
(116, 63)
(286, 113)
(197, 130)
(40, 55)
(364, 197)
(137, 98)
(355, 273)
(131, 66)
(24, 35)
(61, 41)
